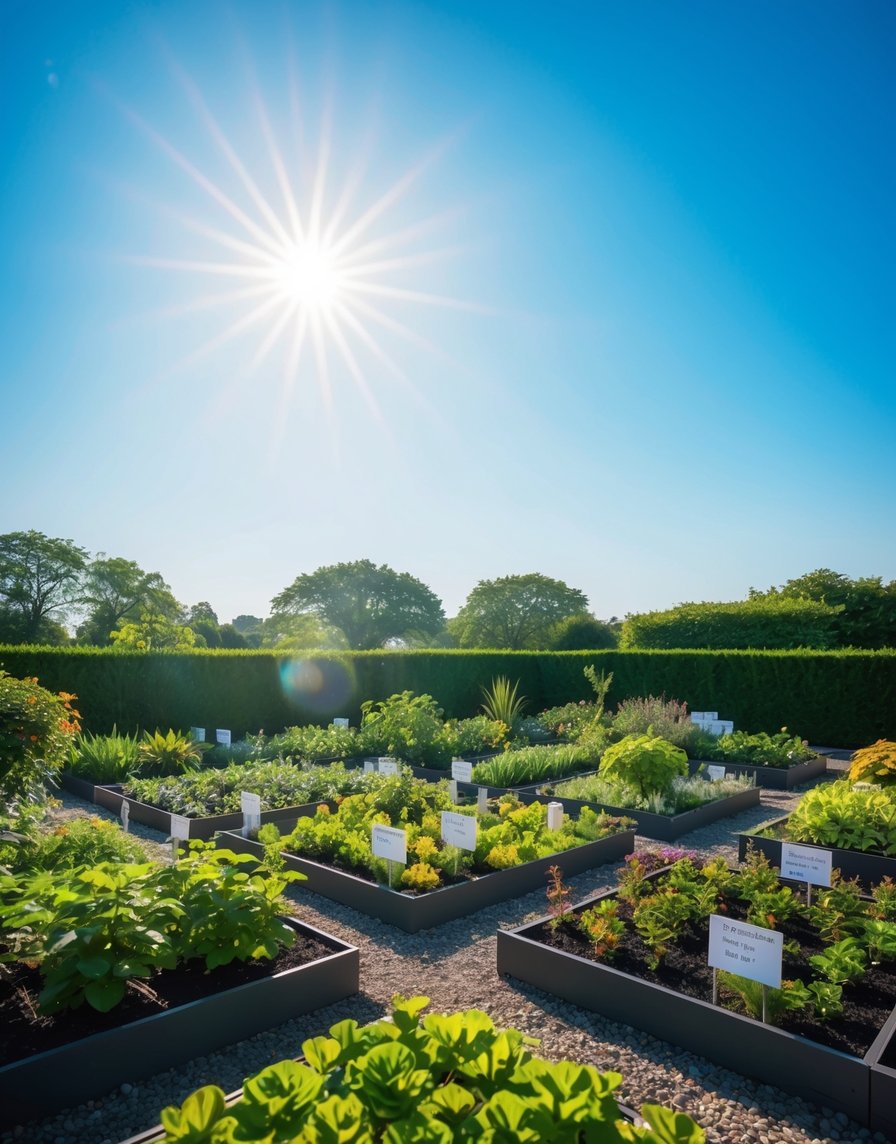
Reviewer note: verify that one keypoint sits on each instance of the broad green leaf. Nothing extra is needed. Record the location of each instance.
(94, 966)
(417, 1129)
(104, 995)
(669, 1127)
(321, 1053)
(193, 1121)
(452, 1101)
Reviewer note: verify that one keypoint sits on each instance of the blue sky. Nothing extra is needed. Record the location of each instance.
(627, 305)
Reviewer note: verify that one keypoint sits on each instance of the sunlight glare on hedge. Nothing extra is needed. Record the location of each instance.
(323, 686)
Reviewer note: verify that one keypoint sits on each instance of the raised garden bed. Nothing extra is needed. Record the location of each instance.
(818, 1073)
(93, 1065)
(410, 912)
(882, 1097)
(768, 836)
(771, 778)
(111, 797)
(664, 827)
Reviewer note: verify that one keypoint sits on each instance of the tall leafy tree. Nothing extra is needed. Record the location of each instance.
(367, 604)
(40, 579)
(868, 606)
(116, 592)
(516, 612)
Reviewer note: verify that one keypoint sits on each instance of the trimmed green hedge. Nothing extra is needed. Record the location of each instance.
(766, 622)
(839, 698)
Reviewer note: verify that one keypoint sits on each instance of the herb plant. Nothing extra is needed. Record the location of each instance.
(761, 750)
(502, 703)
(104, 758)
(528, 765)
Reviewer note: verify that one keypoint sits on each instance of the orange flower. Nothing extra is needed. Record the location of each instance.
(34, 738)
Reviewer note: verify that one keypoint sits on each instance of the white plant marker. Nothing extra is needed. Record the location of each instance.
(747, 950)
(452, 790)
(390, 843)
(461, 770)
(482, 800)
(340, 722)
(387, 765)
(180, 830)
(715, 773)
(222, 737)
(198, 734)
(555, 815)
(807, 864)
(250, 805)
(125, 813)
(459, 830)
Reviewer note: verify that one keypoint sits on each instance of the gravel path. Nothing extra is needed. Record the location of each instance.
(454, 965)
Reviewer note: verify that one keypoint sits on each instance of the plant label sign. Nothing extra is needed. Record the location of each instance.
(198, 734)
(806, 864)
(222, 737)
(250, 805)
(389, 843)
(369, 766)
(180, 826)
(747, 950)
(459, 830)
(555, 815)
(461, 771)
(482, 800)
(388, 766)
(340, 722)
(715, 774)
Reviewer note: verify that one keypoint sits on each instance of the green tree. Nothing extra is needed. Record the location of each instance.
(367, 604)
(868, 616)
(248, 628)
(580, 633)
(231, 638)
(516, 612)
(285, 632)
(116, 591)
(152, 631)
(203, 619)
(40, 579)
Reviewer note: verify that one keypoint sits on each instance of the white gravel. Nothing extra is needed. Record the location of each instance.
(454, 965)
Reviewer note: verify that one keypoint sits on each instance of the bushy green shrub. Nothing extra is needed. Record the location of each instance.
(762, 622)
(657, 715)
(36, 730)
(408, 726)
(645, 762)
(168, 752)
(534, 764)
(308, 744)
(837, 814)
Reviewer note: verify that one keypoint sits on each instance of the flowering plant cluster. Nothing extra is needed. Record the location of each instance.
(36, 729)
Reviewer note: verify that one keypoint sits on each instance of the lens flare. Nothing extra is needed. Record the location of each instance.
(322, 686)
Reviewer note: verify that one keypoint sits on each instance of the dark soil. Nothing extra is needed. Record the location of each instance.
(867, 1003)
(23, 1032)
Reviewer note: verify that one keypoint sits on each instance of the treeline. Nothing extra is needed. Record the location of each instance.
(53, 592)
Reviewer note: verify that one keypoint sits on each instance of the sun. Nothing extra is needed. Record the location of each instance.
(317, 270)
(308, 275)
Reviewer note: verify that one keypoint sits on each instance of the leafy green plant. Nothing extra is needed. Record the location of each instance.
(36, 729)
(603, 927)
(761, 750)
(790, 998)
(502, 702)
(875, 764)
(838, 909)
(660, 918)
(884, 900)
(836, 814)
(169, 752)
(408, 726)
(104, 758)
(476, 736)
(83, 841)
(309, 744)
(841, 962)
(684, 794)
(93, 930)
(645, 762)
(440, 1079)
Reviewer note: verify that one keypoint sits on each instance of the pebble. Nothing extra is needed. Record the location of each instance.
(455, 966)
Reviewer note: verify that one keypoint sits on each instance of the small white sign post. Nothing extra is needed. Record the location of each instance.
(125, 814)
(340, 722)
(250, 805)
(482, 800)
(747, 950)
(390, 843)
(222, 737)
(180, 830)
(555, 815)
(807, 864)
(370, 766)
(198, 734)
(452, 790)
(714, 773)
(461, 770)
(388, 765)
(459, 830)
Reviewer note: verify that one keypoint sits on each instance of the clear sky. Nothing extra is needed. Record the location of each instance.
(603, 290)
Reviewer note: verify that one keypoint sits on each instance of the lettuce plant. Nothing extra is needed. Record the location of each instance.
(761, 750)
(435, 1079)
(836, 814)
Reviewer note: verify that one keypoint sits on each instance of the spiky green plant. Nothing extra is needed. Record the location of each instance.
(502, 701)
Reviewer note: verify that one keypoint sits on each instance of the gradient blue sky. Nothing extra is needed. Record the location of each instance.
(670, 227)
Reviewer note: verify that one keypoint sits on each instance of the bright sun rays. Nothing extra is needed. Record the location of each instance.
(315, 273)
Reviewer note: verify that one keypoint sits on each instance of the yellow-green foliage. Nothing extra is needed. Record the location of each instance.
(875, 764)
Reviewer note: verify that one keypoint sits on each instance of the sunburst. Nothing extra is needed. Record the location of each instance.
(312, 275)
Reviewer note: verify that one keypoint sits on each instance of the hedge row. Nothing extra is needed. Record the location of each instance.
(766, 622)
(839, 698)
